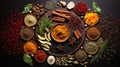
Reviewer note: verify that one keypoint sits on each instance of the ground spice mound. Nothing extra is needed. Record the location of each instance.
(93, 33)
(60, 32)
(91, 18)
(81, 8)
(81, 55)
(30, 47)
(40, 56)
(11, 42)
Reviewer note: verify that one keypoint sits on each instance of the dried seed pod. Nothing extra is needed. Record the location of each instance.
(75, 62)
(69, 61)
(66, 64)
(70, 58)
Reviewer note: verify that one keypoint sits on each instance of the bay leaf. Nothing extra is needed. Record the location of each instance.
(27, 59)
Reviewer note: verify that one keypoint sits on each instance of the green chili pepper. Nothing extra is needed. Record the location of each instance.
(96, 8)
(27, 59)
(27, 8)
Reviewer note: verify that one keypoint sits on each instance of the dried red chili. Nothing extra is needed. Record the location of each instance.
(11, 42)
(81, 8)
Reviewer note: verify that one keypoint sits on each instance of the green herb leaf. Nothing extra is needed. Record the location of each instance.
(102, 49)
(27, 59)
(45, 22)
(95, 7)
(27, 8)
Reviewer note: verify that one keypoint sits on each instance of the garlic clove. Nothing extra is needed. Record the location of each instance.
(63, 3)
(70, 5)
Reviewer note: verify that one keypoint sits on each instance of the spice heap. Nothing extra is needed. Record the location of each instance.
(81, 55)
(30, 47)
(30, 20)
(40, 56)
(81, 8)
(91, 47)
(60, 33)
(10, 35)
(93, 33)
(91, 18)
(26, 33)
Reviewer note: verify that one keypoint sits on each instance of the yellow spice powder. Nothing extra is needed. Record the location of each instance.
(91, 18)
(60, 32)
(30, 47)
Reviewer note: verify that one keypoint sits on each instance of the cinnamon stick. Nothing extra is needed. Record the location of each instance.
(77, 34)
(59, 19)
(61, 14)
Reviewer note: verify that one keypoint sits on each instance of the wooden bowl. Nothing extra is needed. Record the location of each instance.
(91, 47)
(93, 33)
(60, 32)
(81, 55)
(30, 47)
(40, 56)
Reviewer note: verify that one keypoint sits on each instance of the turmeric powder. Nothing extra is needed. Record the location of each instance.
(30, 47)
(60, 32)
(91, 18)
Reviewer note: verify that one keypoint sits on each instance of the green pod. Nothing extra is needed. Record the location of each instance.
(66, 64)
(71, 58)
(76, 62)
(69, 61)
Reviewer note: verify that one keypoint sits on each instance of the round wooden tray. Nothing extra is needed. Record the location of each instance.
(68, 49)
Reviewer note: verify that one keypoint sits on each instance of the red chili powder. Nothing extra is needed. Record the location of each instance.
(11, 41)
(81, 8)
(40, 56)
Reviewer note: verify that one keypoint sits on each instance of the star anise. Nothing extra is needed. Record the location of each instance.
(72, 41)
(60, 47)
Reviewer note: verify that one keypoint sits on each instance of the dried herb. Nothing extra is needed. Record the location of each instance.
(45, 22)
(51, 4)
(27, 59)
(27, 8)
(102, 49)
(95, 7)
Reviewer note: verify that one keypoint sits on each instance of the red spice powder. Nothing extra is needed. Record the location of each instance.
(11, 41)
(40, 56)
(81, 8)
